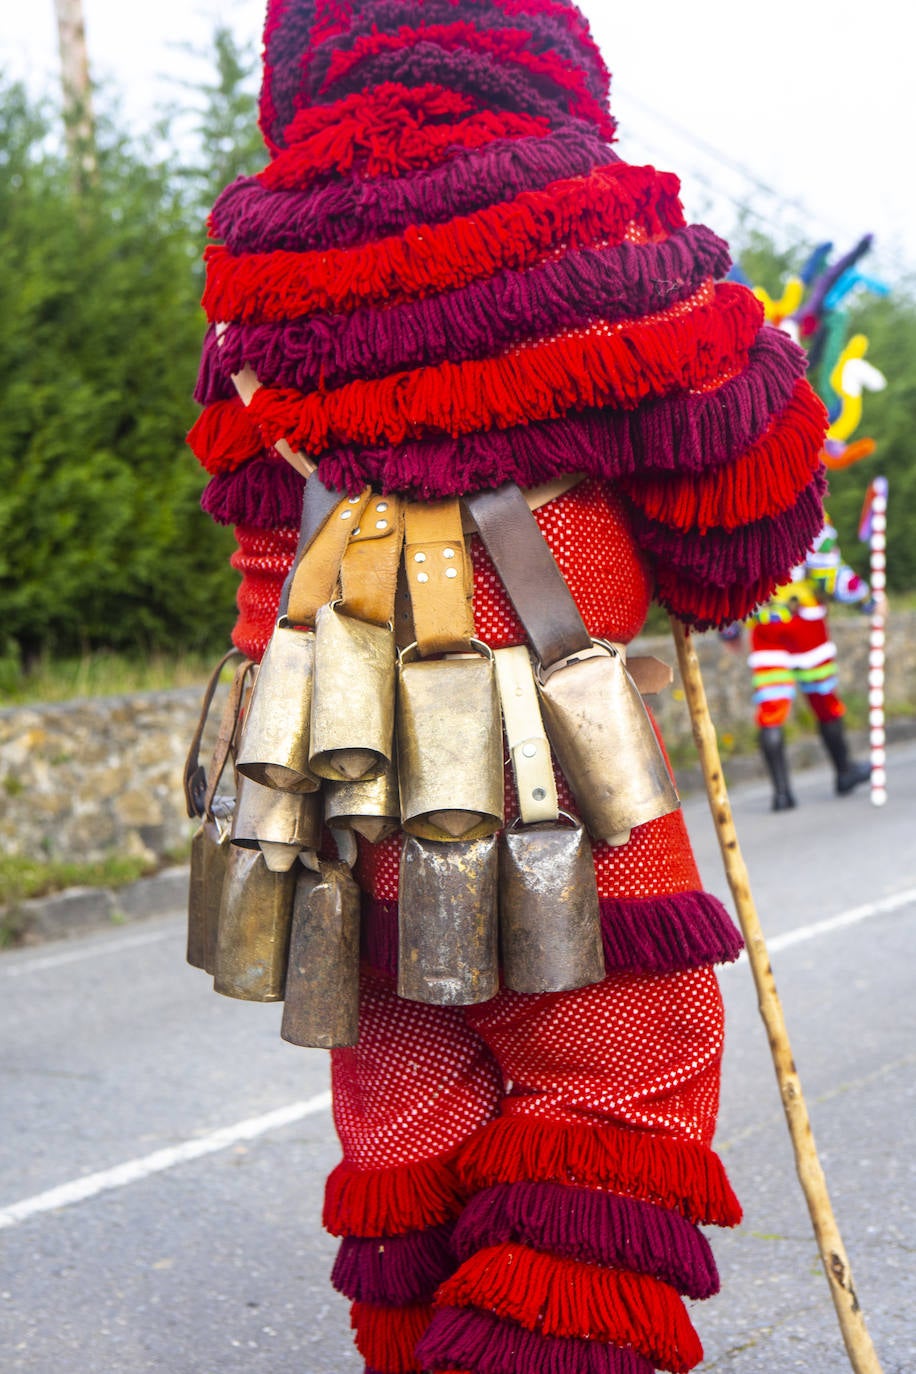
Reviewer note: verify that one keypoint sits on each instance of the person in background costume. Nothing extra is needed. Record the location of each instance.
(445, 280)
(791, 649)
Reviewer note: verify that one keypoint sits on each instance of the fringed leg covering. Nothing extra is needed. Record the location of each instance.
(415, 1086)
(581, 1235)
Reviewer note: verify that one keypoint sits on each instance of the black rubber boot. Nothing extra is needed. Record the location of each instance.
(773, 749)
(848, 773)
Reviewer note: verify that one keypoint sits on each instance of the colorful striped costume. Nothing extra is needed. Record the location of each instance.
(445, 280)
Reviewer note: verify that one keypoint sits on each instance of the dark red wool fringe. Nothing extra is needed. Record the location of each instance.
(517, 233)
(364, 133)
(682, 1175)
(387, 1337)
(353, 211)
(395, 1270)
(504, 47)
(560, 1297)
(690, 432)
(766, 480)
(771, 546)
(600, 1228)
(544, 33)
(264, 494)
(460, 1337)
(704, 607)
(622, 365)
(626, 281)
(390, 1202)
(664, 934)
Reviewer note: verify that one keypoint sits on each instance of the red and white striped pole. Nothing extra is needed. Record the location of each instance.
(878, 564)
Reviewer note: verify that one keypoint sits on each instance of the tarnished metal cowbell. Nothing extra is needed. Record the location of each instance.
(253, 936)
(209, 860)
(448, 925)
(280, 824)
(450, 757)
(549, 920)
(321, 1005)
(274, 746)
(352, 722)
(603, 738)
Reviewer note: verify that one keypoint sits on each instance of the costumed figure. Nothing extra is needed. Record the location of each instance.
(790, 639)
(791, 650)
(474, 392)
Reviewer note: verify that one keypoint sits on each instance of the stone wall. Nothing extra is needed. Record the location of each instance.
(84, 779)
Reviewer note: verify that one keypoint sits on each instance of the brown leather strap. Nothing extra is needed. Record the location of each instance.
(316, 572)
(535, 585)
(439, 577)
(369, 571)
(227, 733)
(195, 777)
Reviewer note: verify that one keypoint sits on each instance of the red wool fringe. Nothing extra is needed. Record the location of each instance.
(705, 607)
(388, 132)
(505, 45)
(563, 1297)
(681, 1175)
(387, 1337)
(766, 480)
(621, 364)
(224, 436)
(577, 212)
(390, 1202)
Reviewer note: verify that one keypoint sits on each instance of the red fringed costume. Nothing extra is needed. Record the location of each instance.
(445, 280)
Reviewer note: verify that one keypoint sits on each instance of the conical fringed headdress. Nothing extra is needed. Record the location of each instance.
(444, 279)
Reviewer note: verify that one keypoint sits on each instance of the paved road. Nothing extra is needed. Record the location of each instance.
(204, 1256)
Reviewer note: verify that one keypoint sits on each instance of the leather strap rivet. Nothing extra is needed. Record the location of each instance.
(529, 750)
(382, 505)
(422, 577)
(355, 532)
(354, 500)
(451, 572)
(381, 524)
(346, 514)
(538, 794)
(419, 558)
(448, 553)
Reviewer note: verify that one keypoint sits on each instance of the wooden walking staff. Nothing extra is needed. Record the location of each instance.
(859, 1347)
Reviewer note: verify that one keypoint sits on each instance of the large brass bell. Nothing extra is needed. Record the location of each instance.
(352, 721)
(605, 744)
(321, 1005)
(280, 824)
(253, 936)
(274, 746)
(450, 763)
(550, 924)
(448, 927)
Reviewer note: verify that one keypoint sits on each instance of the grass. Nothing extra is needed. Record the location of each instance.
(22, 876)
(99, 674)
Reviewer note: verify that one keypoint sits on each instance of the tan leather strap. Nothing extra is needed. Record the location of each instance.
(369, 570)
(317, 572)
(542, 600)
(528, 748)
(439, 577)
(195, 777)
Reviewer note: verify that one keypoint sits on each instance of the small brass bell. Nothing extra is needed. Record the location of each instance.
(352, 723)
(448, 925)
(253, 936)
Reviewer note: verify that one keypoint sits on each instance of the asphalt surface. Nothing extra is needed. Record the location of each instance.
(117, 1054)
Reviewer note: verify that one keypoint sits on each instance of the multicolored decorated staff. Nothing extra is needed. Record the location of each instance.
(873, 531)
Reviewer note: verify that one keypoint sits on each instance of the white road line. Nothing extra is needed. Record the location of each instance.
(90, 950)
(79, 1189)
(852, 917)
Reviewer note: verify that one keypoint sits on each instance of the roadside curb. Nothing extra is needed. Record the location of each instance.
(79, 910)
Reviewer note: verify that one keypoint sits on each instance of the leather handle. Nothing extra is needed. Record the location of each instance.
(195, 777)
(318, 505)
(536, 588)
(227, 734)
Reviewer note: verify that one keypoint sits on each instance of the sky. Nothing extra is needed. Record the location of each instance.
(800, 110)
